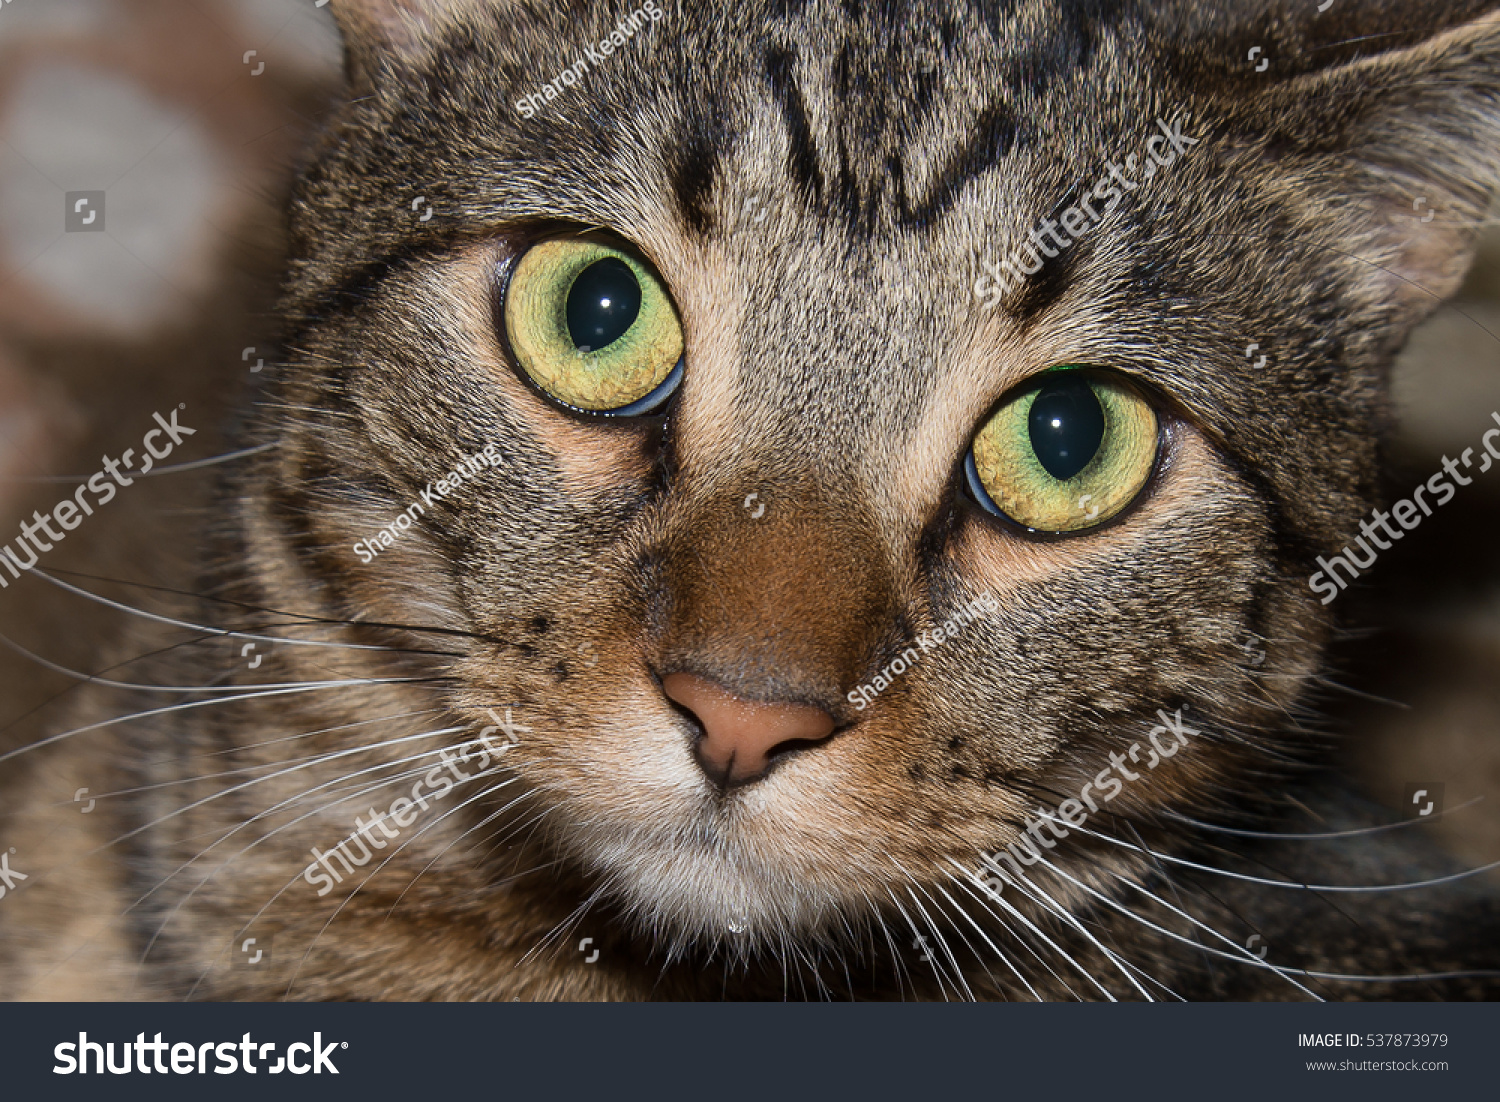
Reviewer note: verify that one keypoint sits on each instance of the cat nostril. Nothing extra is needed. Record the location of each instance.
(741, 736)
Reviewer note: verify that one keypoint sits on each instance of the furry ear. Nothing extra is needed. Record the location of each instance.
(381, 32)
(1408, 142)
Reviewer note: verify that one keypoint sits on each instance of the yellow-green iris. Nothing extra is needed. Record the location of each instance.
(1068, 453)
(591, 324)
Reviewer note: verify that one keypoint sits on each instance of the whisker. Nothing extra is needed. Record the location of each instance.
(937, 968)
(951, 959)
(280, 773)
(158, 618)
(995, 948)
(298, 619)
(290, 801)
(1244, 957)
(383, 783)
(196, 778)
(108, 683)
(373, 872)
(1328, 834)
(318, 686)
(985, 901)
(154, 471)
(1347, 888)
(1033, 928)
(55, 697)
(896, 956)
(1256, 962)
(958, 974)
(478, 826)
(1040, 896)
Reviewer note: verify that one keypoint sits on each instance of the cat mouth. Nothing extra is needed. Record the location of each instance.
(745, 866)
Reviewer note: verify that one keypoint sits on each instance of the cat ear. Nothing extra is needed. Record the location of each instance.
(378, 32)
(1409, 142)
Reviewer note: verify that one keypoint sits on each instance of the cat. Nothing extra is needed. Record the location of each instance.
(628, 424)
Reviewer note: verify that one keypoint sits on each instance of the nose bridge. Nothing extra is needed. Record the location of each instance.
(779, 590)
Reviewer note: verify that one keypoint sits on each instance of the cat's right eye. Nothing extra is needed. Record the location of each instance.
(1069, 453)
(593, 326)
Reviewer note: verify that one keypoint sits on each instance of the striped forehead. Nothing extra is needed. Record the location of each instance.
(826, 288)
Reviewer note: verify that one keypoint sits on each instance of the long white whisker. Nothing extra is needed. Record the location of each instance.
(383, 783)
(439, 855)
(282, 890)
(896, 954)
(201, 627)
(1255, 962)
(256, 694)
(172, 469)
(373, 872)
(980, 931)
(94, 679)
(1033, 928)
(1241, 954)
(1327, 835)
(937, 968)
(957, 971)
(985, 901)
(1346, 888)
(1039, 896)
(289, 802)
(958, 974)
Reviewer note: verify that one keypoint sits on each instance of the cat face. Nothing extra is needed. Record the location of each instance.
(831, 613)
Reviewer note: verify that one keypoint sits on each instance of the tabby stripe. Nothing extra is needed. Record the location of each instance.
(694, 164)
(1046, 287)
(995, 135)
(803, 158)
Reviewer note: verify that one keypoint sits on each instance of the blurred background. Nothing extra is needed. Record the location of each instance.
(176, 124)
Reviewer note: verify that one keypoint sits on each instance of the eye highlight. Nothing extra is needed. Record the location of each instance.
(593, 327)
(1067, 454)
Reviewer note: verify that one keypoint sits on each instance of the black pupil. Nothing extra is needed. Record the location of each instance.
(1067, 427)
(602, 304)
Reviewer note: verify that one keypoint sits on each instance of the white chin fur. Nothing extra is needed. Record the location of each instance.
(702, 890)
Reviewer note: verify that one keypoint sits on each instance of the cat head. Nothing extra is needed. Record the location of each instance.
(895, 410)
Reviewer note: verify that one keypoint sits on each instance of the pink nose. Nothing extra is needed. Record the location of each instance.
(741, 736)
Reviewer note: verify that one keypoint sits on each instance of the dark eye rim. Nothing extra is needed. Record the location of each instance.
(982, 505)
(650, 410)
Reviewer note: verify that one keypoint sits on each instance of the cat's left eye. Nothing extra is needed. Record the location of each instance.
(593, 326)
(1068, 453)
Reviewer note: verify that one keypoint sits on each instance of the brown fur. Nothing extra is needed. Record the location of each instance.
(845, 364)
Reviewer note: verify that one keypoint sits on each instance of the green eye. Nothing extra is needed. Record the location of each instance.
(1067, 454)
(593, 327)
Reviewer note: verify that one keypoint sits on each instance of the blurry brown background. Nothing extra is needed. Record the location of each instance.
(155, 103)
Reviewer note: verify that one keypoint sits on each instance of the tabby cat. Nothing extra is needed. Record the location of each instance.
(737, 480)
